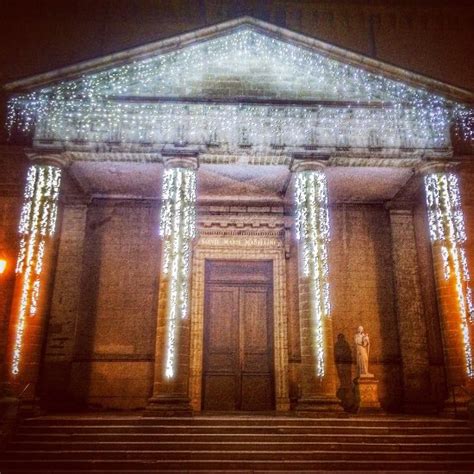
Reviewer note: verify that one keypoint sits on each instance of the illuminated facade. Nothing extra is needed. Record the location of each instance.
(241, 170)
(178, 228)
(37, 226)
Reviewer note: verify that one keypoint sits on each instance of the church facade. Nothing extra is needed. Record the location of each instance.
(207, 220)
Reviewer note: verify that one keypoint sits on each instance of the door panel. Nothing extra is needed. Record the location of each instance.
(221, 343)
(221, 307)
(255, 327)
(257, 393)
(238, 336)
(256, 339)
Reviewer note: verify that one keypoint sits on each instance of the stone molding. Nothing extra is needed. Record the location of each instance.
(60, 160)
(240, 247)
(242, 224)
(359, 157)
(435, 166)
(184, 161)
(308, 164)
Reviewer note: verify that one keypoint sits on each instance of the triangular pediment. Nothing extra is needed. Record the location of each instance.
(239, 49)
(242, 65)
(220, 85)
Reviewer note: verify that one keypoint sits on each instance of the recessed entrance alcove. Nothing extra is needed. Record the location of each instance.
(209, 218)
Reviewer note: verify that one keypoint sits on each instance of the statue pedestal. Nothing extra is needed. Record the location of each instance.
(366, 394)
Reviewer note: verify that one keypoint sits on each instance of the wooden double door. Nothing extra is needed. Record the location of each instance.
(238, 372)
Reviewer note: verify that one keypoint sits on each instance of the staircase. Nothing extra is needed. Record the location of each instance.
(126, 444)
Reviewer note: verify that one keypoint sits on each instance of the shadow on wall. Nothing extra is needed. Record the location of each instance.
(343, 357)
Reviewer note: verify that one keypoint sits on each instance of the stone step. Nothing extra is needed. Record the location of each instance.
(207, 465)
(242, 429)
(238, 446)
(257, 438)
(76, 444)
(242, 420)
(255, 455)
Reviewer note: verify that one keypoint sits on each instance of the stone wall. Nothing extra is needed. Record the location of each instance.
(112, 313)
(65, 306)
(102, 328)
(413, 336)
(100, 343)
(361, 278)
(429, 300)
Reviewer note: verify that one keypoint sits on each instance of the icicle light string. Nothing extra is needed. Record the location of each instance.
(312, 230)
(446, 224)
(87, 109)
(37, 225)
(178, 229)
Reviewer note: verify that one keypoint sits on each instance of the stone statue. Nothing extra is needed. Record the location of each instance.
(362, 342)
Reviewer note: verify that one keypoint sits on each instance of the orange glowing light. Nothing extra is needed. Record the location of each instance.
(3, 265)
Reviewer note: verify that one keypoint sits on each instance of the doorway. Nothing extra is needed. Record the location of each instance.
(238, 372)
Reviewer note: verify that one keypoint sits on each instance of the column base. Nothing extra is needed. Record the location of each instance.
(168, 406)
(12, 412)
(460, 402)
(320, 404)
(283, 405)
(458, 408)
(366, 394)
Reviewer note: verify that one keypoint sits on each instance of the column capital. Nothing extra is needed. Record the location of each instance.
(180, 158)
(309, 162)
(435, 166)
(51, 158)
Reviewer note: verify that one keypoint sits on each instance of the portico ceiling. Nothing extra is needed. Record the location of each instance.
(237, 183)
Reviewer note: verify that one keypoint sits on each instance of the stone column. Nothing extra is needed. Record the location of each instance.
(454, 289)
(177, 228)
(318, 372)
(34, 270)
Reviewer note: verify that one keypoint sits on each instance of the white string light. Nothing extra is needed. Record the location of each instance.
(90, 109)
(446, 223)
(37, 225)
(178, 229)
(312, 230)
